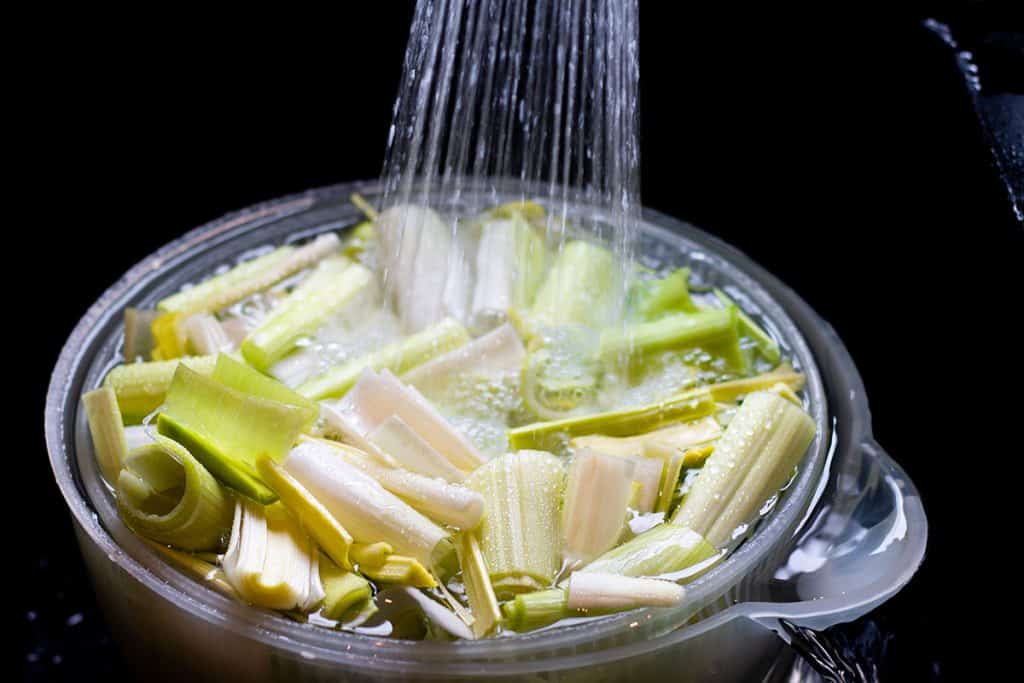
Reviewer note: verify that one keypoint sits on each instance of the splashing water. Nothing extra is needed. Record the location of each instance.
(514, 99)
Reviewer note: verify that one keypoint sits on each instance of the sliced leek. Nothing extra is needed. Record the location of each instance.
(368, 511)
(399, 357)
(768, 347)
(737, 388)
(476, 578)
(206, 335)
(331, 285)
(397, 439)
(193, 297)
(164, 494)
(530, 611)
(141, 387)
(509, 266)
(519, 535)
(756, 455)
(600, 591)
(241, 377)
(680, 436)
(344, 591)
(597, 494)
(579, 289)
(138, 333)
(665, 550)
(498, 352)
(108, 436)
(270, 561)
(554, 435)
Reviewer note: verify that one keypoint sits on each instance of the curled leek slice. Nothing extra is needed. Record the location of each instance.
(164, 494)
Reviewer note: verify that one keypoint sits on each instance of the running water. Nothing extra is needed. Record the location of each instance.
(511, 99)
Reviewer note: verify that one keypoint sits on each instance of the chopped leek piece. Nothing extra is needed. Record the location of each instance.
(768, 347)
(331, 285)
(378, 396)
(498, 352)
(509, 267)
(425, 259)
(399, 357)
(344, 591)
(359, 239)
(200, 569)
(378, 562)
(373, 554)
(241, 377)
(270, 561)
(737, 388)
(138, 333)
(783, 390)
(560, 374)
(596, 498)
(206, 335)
(629, 421)
(108, 435)
(227, 429)
(395, 438)
(697, 456)
(141, 387)
(664, 550)
(652, 299)
(647, 475)
(476, 578)
(164, 494)
(194, 297)
(318, 522)
(440, 615)
(137, 435)
(756, 455)
(680, 330)
(360, 203)
(599, 591)
(579, 289)
(368, 511)
(519, 534)
(680, 436)
(169, 336)
(530, 611)
(446, 503)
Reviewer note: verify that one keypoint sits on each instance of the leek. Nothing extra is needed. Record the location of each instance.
(214, 295)
(137, 435)
(579, 288)
(169, 336)
(378, 396)
(164, 494)
(141, 387)
(756, 455)
(498, 352)
(318, 522)
(530, 611)
(596, 499)
(198, 568)
(270, 561)
(680, 436)
(519, 534)
(108, 436)
(344, 591)
(395, 438)
(664, 550)
(206, 335)
(138, 333)
(446, 503)
(737, 388)
(560, 374)
(768, 347)
(652, 299)
(399, 357)
(359, 239)
(227, 429)
(241, 377)
(677, 331)
(331, 285)
(368, 511)
(647, 475)
(476, 579)
(509, 265)
(599, 591)
(379, 562)
(629, 421)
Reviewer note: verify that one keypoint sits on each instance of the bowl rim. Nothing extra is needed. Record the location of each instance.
(546, 649)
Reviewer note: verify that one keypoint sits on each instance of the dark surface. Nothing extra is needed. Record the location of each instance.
(844, 152)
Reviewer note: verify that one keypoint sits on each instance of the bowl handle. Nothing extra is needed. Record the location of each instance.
(861, 546)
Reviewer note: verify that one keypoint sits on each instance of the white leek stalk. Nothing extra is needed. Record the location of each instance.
(206, 335)
(665, 550)
(379, 562)
(499, 352)
(509, 266)
(756, 455)
(397, 439)
(599, 591)
(519, 535)
(270, 561)
(108, 436)
(362, 505)
(138, 435)
(596, 499)
(378, 396)
(680, 436)
(647, 473)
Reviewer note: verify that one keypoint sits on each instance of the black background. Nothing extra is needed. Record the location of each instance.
(839, 149)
